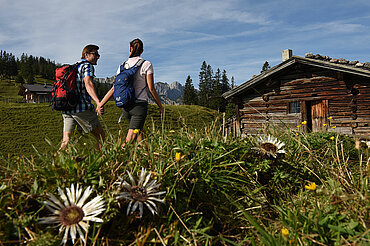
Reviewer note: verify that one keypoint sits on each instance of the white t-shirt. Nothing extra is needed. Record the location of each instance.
(139, 77)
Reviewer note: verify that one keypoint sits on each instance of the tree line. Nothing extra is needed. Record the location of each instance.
(211, 87)
(26, 67)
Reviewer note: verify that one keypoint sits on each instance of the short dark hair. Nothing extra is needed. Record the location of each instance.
(89, 48)
(137, 47)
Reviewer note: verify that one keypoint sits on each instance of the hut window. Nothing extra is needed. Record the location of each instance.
(294, 107)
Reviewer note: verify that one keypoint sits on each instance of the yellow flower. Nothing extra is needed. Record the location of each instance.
(332, 138)
(297, 133)
(178, 156)
(334, 127)
(324, 124)
(299, 126)
(304, 122)
(136, 131)
(310, 186)
(329, 118)
(285, 232)
(172, 131)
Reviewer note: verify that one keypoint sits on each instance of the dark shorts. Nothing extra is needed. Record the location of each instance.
(136, 116)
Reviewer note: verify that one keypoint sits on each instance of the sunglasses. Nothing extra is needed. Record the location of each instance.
(95, 53)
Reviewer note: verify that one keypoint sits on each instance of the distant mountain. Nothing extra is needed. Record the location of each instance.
(168, 93)
(108, 80)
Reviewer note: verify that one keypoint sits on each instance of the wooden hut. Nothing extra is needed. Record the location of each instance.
(325, 94)
(36, 93)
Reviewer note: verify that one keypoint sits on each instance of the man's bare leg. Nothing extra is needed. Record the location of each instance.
(65, 141)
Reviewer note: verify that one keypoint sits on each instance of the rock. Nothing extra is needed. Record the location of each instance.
(343, 61)
(309, 55)
(353, 63)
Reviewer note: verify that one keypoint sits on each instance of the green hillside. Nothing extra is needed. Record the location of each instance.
(9, 88)
(27, 125)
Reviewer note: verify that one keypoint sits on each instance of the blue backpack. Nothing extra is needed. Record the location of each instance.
(124, 93)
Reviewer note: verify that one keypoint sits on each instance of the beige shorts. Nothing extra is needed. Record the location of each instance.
(86, 120)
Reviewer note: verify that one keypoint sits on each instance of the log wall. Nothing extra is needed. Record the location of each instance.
(348, 103)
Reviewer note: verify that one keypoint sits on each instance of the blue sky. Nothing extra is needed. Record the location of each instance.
(235, 35)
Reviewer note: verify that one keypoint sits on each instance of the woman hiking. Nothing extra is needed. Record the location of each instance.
(144, 77)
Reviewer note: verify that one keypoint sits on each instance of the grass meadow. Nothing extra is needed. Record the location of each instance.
(291, 189)
(25, 127)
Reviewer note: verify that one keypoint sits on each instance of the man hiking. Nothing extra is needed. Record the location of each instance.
(85, 116)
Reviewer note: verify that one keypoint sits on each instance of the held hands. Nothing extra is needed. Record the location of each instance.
(99, 109)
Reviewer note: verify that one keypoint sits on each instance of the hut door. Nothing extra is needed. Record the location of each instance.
(319, 115)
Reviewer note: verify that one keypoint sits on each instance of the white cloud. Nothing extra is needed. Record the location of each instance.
(236, 35)
(335, 27)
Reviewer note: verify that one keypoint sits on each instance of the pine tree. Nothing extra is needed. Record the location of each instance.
(225, 86)
(230, 107)
(8, 65)
(210, 80)
(30, 78)
(19, 79)
(26, 66)
(190, 95)
(13, 68)
(203, 86)
(2, 64)
(215, 101)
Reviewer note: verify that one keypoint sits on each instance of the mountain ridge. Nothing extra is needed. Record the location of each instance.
(168, 93)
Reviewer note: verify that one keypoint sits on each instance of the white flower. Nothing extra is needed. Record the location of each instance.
(73, 213)
(367, 143)
(144, 192)
(270, 146)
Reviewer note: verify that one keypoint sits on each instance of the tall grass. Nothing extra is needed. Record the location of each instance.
(219, 192)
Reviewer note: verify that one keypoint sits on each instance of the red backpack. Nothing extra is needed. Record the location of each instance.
(65, 93)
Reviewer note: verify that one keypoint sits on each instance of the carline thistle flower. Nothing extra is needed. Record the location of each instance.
(72, 214)
(144, 192)
(270, 146)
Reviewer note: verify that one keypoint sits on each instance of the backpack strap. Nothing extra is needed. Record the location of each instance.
(78, 90)
(122, 67)
(138, 64)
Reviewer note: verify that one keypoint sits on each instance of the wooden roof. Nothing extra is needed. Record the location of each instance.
(323, 62)
(38, 88)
